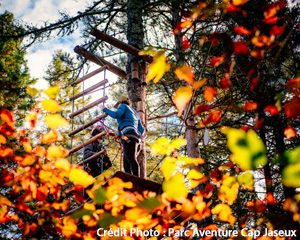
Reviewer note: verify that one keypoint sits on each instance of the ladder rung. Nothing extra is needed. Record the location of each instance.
(86, 91)
(89, 106)
(77, 130)
(90, 159)
(75, 149)
(89, 75)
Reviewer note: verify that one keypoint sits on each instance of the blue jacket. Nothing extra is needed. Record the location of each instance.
(126, 117)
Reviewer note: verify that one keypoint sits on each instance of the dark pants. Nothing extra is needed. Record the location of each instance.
(130, 162)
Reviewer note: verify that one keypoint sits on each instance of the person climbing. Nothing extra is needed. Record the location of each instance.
(131, 132)
(94, 167)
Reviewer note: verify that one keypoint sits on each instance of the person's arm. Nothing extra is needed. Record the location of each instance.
(88, 151)
(115, 114)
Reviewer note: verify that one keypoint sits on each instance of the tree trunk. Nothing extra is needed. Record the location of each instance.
(136, 70)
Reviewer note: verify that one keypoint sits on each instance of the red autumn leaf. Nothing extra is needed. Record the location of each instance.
(293, 84)
(257, 206)
(258, 124)
(253, 84)
(290, 132)
(213, 117)
(232, 8)
(258, 54)
(240, 30)
(270, 20)
(246, 128)
(7, 117)
(225, 82)
(292, 108)
(185, 43)
(250, 72)
(240, 48)
(210, 93)
(214, 38)
(182, 25)
(257, 41)
(24, 208)
(216, 61)
(276, 30)
(201, 108)
(215, 175)
(249, 106)
(185, 73)
(270, 199)
(239, 2)
(272, 110)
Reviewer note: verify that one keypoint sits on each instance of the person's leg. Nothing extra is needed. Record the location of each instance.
(130, 155)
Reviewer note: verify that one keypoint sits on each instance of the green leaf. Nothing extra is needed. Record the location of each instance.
(32, 91)
(107, 219)
(292, 156)
(291, 175)
(81, 212)
(100, 196)
(249, 151)
(246, 179)
(150, 203)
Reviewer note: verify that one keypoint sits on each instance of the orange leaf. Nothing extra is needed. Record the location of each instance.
(270, 20)
(239, 2)
(257, 206)
(276, 30)
(81, 177)
(240, 48)
(257, 41)
(240, 30)
(42, 193)
(290, 132)
(258, 124)
(258, 53)
(158, 67)
(272, 110)
(270, 198)
(292, 108)
(51, 137)
(182, 25)
(254, 84)
(24, 208)
(183, 95)
(214, 116)
(7, 117)
(249, 106)
(198, 84)
(185, 73)
(51, 106)
(39, 151)
(216, 61)
(2, 139)
(201, 108)
(225, 82)
(55, 121)
(6, 152)
(185, 43)
(27, 160)
(210, 93)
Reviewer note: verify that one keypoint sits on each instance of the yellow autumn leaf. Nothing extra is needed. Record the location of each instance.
(168, 167)
(247, 180)
(81, 177)
(229, 190)
(52, 92)
(178, 143)
(69, 227)
(185, 73)
(27, 146)
(175, 187)
(195, 177)
(57, 151)
(183, 95)
(55, 121)
(198, 84)
(161, 146)
(51, 106)
(32, 91)
(51, 137)
(63, 164)
(224, 213)
(158, 67)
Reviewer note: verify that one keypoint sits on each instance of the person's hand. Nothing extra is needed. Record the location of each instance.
(103, 107)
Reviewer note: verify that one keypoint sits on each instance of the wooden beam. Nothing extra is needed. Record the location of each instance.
(77, 130)
(86, 91)
(100, 61)
(87, 107)
(93, 139)
(121, 45)
(95, 156)
(89, 75)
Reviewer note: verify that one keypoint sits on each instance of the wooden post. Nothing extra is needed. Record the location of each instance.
(75, 149)
(86, 91)
(100, 61)
(121, 45)
(77, 130)
(89, 75)
(135, 71)
(87, 107)
(91, 158)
